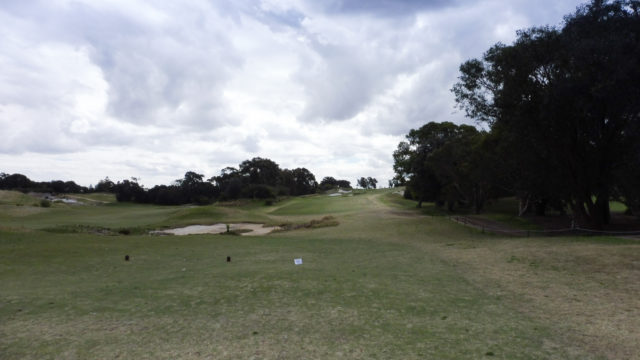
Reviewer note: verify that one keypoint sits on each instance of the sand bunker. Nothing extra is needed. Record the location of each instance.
(341, 192)
(254, 229)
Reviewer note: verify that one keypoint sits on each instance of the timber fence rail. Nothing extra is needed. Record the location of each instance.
(479, 225)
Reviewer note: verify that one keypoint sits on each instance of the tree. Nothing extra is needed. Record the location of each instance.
(344, 184)
(363, 183)
(167, 195)
(229, 183)
(260, 171)
(15, 182)
(444, 163)
(105, 185)
(130, 190)
(304, 182)
(566, 102)
(329, 182)
(372, 183)
(195, 190)
(411, 160)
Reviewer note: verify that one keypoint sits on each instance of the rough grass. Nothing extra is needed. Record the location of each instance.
(17, 198)
(387, 282)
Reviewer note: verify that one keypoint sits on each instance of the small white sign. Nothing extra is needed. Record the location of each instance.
(297, 261)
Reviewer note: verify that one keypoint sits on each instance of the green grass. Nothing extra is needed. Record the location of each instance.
(396, 200)
(17, 198)
(617, 207)
(322, 205)
(94, 198)
(386, 282)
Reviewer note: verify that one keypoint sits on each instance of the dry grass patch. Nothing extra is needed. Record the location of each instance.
(592, 288)
(326, 221)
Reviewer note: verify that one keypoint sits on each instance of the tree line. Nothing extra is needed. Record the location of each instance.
(561, 109)
(257, 178)
(22, 183)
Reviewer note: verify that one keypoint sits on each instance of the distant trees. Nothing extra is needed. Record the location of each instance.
(195, 190)
(367, 183)
(299, 181)
(329, 182)
(105, 185)
(259, 171)
(257, 178)
(130, 190)
(15, 182)
(22, 183)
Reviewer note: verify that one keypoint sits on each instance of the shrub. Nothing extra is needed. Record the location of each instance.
(45, 203)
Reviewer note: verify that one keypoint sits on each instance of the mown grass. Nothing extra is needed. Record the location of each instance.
(386, 282)
(94, 197)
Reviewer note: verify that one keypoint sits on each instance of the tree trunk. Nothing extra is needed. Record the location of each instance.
(524, 205)
(541, 207)
(602, 207)
(478, 199)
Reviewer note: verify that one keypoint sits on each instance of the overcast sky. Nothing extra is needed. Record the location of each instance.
(153, 89)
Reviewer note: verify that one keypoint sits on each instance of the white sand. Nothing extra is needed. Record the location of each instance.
(256, 229)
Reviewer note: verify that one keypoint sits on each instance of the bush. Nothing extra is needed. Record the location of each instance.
(45, 203)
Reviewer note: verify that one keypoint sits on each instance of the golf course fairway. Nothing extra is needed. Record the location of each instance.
(379, 279)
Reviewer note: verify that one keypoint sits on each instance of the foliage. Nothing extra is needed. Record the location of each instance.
(257, 191)
(22, 183)
(105, 185)
(260, 171)
(130, 190)
(446, 164)
(257, 178)
(563, 104)
(367, 182)
(298, 181)
(329, 182)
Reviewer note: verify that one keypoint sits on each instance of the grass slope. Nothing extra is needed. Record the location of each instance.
(388, 282)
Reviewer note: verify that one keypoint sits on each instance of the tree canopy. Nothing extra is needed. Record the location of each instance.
(441, 162)
(563, 112)
(257, 178)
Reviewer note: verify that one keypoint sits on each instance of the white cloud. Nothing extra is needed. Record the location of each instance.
(154, 89)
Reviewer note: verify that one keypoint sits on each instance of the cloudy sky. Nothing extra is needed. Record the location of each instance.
(153, 89)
